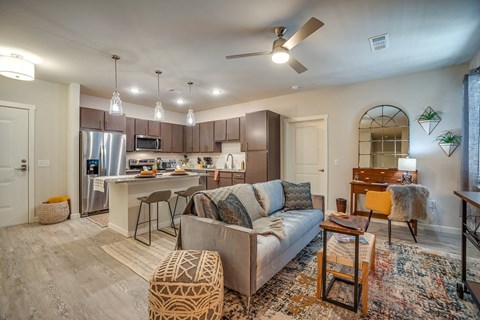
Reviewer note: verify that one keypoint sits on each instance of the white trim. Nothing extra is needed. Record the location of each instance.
(288, 145)
(31, 152)
(424, 226)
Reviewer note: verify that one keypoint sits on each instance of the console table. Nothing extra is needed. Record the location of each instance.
(468, 286)
(375, 179)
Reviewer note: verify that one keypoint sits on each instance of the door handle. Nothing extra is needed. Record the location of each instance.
(22, 168)
(321, 170)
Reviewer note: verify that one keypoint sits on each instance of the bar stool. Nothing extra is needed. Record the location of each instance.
(186, 194)
(154, 197)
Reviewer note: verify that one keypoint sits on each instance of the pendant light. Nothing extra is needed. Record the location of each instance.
(190, 115)
(115, 102)
(159, 113)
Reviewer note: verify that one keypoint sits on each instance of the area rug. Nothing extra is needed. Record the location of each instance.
(409, 283)
(100, 219)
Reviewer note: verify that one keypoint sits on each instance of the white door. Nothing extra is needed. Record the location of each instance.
(308, 154)
(13, 166)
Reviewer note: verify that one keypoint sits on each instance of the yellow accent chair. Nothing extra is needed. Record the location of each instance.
(381, 202)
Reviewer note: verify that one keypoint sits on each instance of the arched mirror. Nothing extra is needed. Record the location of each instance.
(383, 137)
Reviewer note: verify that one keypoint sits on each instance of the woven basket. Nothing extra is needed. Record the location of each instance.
(49, 213)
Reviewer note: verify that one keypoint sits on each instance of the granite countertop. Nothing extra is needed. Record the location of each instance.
(158, 176)
(132, 171)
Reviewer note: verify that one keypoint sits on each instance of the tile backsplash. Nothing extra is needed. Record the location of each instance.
(218, 159)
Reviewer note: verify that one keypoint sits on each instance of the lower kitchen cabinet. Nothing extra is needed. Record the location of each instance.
(238, 178)
(225, 179)
(211, 182)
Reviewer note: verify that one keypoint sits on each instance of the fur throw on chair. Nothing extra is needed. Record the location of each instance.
(409, 202)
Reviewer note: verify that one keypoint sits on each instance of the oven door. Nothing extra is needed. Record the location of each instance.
(147, 143)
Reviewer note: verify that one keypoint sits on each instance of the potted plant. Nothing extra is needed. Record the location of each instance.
(184, 161)
(449, 141)
(429, 119)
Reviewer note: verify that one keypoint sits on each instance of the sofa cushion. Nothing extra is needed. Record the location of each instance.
(270, 195)
(297, 196)
(246, 195)
(232, 211)
(297, 223)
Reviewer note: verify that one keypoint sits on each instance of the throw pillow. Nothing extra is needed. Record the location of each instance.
(297, 196)
(232, 211)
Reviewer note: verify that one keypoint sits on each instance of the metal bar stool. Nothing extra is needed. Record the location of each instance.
(154, 197)
(186, 194)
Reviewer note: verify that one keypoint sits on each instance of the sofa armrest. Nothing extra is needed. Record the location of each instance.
(236, 245)
(318, 202)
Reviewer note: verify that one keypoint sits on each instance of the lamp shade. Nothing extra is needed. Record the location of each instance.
(407, 164)
(16, 67)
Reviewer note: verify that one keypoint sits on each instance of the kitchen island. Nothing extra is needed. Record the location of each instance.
(124, 204)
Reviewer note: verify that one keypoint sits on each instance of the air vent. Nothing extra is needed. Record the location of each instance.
(380, 42)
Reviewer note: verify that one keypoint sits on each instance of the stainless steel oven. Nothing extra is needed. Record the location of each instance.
(148, 143)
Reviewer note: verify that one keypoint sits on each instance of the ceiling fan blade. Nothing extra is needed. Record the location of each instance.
(306, 30)
(245, 55)
(297, 66)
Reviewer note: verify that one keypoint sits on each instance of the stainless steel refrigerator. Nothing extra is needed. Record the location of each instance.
(101, 154)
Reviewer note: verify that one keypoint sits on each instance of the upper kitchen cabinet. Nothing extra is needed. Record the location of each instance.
(130, 133)
(141, 127)
(115, 123)
(207, 138)
(192, 138)
(262, 131)
(227, 130)
(153, 128)
(177, 138)
(243, 139)
(166, 133)
(92, 118)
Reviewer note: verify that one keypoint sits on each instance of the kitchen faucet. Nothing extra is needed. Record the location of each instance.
(232, 166)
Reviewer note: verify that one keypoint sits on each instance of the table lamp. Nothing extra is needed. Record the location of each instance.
(407, 164)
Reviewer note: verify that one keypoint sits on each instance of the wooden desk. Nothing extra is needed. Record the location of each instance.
(373, 179)
(468, 286)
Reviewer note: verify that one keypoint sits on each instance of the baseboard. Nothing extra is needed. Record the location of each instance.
(74, 216)
(420, 225)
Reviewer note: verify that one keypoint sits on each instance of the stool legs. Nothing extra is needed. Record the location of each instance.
(389, 232)
(368, 222)
(411, 231)
(149, 225)
(172, 222)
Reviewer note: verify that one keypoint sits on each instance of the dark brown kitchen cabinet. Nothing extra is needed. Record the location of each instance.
(262, 131)
(153, 128)
(192, 138)
(207, 138)
(115, 123)
(92, 118)
(238, 177)
(130, 133)
(233, 129)
(177, 138)
(141, 127)
(166, 134)
(220, 130)
(225, 179)
(243, 139)
(211, 182)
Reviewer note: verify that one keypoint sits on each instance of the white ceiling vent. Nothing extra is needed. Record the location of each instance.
(379, 42)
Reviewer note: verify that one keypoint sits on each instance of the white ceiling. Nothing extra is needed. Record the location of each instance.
(188, 40)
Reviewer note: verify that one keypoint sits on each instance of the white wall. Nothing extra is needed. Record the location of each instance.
(50, 131)
(441, 89)
(475, 62)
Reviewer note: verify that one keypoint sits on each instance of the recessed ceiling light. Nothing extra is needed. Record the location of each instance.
(135, 90)
(180, 101)
(294, 87)
(216, 92)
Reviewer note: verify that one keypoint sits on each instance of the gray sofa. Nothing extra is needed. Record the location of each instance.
(249, 259)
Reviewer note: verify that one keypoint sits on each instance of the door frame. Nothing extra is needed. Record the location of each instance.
(287, 169)
(31, 156)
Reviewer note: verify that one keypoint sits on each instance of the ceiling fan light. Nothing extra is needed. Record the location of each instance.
(17, 68)
(190, 118)
(281, 56)
(159, 113)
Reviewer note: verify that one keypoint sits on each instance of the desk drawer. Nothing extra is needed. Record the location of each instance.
(359, 188)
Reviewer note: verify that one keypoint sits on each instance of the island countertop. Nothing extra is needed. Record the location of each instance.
(136, 179)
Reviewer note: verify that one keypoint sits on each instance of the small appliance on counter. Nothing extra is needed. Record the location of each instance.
(139, 164)
(208, 162)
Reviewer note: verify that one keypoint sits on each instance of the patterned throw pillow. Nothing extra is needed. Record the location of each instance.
(297, 196)
(232, 211)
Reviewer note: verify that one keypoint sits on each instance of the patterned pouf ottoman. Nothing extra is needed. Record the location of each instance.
(188, 284)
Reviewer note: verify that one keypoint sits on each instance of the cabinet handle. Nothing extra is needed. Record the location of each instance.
(100, 123)
(382, 172)
(366, 190)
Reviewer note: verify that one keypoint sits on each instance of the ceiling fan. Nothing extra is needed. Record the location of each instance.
(281, 47)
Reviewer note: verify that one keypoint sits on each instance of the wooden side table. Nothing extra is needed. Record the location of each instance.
(347, 254)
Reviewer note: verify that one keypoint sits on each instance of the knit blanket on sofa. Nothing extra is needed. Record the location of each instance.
(409, 202)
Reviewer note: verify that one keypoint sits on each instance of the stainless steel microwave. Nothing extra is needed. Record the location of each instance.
(148, 143)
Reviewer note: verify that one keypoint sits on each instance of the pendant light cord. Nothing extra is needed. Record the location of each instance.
(190, 84)
(115, 57)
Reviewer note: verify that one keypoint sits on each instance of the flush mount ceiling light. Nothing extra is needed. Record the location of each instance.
(115, 102)
(216, 92)
(180, 101)
(135, 90)
(16, 67)
(190, 115)
(159, 113)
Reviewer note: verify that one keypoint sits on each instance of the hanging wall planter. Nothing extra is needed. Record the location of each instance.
(429, 119)
(449, 142)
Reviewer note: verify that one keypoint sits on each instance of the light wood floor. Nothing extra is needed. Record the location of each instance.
(61, 272)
